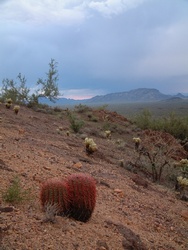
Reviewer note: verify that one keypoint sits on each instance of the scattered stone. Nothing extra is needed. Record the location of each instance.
(77, 165)
(6, 209)
(47, 168)
(131, 240)
(184, 214)
(117, 190)
(104, 184)
(3, 166)
(139, 181)
(102, 245)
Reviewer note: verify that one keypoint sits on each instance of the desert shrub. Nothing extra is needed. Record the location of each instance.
(156, 152)
(57, 109)
(75, 123)
(15, 193)
(102, 107)
(81, 108)
(143, 120)
(176, 126)
(106, 126)
(92, 118)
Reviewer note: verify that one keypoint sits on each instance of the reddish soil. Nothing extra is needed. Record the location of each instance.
(131, 212)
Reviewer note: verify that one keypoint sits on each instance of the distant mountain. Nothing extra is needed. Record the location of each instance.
(136, 95)
(180, 95)
(59, 102)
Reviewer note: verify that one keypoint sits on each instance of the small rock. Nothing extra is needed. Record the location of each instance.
(184, 214)
(118, 190)
(140, 181)
(77, 165)
(6, 209)
(102, 245)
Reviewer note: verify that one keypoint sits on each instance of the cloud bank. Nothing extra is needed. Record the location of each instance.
(101, 46)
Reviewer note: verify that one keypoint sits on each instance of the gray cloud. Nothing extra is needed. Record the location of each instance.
(99, 45)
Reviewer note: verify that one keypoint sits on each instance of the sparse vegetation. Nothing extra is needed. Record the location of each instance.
(156, 153)
(176, 126)
(82, 108)
(15, 193)
(75, 123)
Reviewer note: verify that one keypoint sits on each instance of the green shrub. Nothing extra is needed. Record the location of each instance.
(172, 124)
(75, 123)
(82, 108)
(155, 154)
(15, 193)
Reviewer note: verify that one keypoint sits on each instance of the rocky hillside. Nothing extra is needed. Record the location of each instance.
(131, 212)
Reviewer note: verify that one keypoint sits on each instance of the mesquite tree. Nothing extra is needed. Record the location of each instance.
(49, 86)
(157, 152)
(20, 93)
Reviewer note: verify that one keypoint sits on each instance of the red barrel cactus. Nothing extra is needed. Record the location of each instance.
(54, 192)
(81, 196)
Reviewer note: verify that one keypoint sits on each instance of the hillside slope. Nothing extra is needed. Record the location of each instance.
(131, 212)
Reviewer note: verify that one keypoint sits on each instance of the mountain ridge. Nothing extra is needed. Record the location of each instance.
(135, 95)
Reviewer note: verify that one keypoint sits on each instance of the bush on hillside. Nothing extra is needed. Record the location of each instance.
(176, 126)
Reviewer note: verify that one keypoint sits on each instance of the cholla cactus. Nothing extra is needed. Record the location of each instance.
(8, 103)
(16, 109)
(68, 133)
(108, 134)
(9, 100)
(182, 181)
(91, 146)
(137, 141)
(183, 164)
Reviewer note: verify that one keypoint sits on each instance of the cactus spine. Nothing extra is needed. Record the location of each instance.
(82, 196)
(54, 192)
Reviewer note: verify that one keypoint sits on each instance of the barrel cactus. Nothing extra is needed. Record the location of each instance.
(82, 196)
(54, 192)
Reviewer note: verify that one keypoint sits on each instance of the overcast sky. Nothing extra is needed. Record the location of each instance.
(101, 46)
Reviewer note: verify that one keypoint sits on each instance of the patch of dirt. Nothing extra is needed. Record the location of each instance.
(130, 212)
